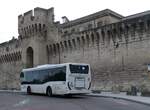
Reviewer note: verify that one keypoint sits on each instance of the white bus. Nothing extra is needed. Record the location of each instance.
(62, 79)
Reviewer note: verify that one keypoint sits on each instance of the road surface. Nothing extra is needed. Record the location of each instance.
(15, 101)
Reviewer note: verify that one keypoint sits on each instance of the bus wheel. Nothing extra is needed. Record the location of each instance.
(28, 90)
(49, 92)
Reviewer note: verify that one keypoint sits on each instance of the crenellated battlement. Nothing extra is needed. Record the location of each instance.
(10, 46)
(129, 29)
(10, 51)
(35, 21)
(36, 15)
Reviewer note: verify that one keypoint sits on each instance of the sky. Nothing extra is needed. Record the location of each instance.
(73, 9)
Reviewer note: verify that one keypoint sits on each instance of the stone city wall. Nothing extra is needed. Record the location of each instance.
(118, 53)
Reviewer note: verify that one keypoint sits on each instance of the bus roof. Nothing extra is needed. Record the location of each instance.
(46, 66)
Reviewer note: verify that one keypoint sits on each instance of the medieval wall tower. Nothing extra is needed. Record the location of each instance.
(35, 29)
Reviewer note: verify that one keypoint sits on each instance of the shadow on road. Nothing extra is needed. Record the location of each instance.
(59, 96)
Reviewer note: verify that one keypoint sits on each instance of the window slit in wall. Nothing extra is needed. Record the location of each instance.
(65, 43)
(92, 37)
(103, 36)
(69, 43)
(98, 38)
(78, 41)
(74, 43)
(83, 41)
(54, 49)
(88, 40)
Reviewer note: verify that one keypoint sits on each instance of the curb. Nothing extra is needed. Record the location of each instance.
(11, 91)
(148, 104)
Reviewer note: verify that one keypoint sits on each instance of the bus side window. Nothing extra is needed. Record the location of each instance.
(43, 76)
(50, 74)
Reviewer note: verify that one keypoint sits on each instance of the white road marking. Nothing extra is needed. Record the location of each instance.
(21, 103)
(121, 102)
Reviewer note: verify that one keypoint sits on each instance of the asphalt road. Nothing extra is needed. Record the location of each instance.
(14, 101)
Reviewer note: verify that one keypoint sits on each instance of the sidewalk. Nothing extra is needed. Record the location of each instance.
(122, 95)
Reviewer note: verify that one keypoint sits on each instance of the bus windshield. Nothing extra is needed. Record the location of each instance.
(80, 69)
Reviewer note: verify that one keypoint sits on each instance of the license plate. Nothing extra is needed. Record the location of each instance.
(80, 82)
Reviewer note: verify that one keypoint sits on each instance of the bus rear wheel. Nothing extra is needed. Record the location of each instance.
(49, 92)
(28, 90)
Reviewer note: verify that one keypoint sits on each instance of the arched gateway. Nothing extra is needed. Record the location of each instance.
(29, 58)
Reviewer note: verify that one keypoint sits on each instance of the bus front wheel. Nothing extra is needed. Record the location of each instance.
(49, 91)
(28, 90)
